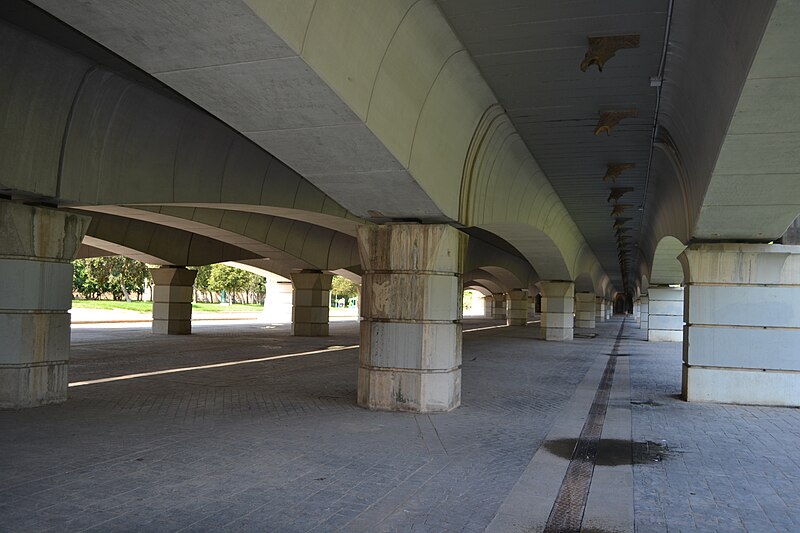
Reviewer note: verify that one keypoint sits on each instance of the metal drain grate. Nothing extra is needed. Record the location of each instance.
(567, 512)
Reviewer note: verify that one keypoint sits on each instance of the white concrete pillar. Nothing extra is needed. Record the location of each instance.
(278, 302)
(599, 309)
(172, 300)
(637, 311)
(37, 246)
(488, 305)
(584, 310)
(609, 309)
(517, 307)
(499, 309)
(410, 357)
(644, 311)
(742, 333)
(558, 304)
(665, 313)
(311, 303)
(531, 306)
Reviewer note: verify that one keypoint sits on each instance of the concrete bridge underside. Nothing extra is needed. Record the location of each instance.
(420, 146)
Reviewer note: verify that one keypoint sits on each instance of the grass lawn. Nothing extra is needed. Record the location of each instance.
(147, 307)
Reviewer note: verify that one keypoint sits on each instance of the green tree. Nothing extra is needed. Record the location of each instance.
(342, 287)
(116, 275)
(227, 278)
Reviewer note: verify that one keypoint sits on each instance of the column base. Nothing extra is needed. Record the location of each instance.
(559, 334)
(417, 391)
(172, 327)
(310, 329)
(664, 335)
(741, 386)
(32, 384)
(588, 324)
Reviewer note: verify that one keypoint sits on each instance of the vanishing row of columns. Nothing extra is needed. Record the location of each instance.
(410, 356)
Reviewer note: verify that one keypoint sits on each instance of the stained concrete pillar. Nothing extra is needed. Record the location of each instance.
(558, 303)
(311, 303)
(665, 313)
(637, 311)
(609, 309)
(410, 357)
(172, 300)
(278, 302)
(584, 310)
(499, 306)
(742, 332)
(37, 246)
(599, 309)
(531, 306)
(644, 311)
(517, 307)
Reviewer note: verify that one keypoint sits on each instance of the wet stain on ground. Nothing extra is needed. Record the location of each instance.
(615, 452)
(646, 403)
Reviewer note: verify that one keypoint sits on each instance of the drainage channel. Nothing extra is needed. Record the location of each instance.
(567, 512)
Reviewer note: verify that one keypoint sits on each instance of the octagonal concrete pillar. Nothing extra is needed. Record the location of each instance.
(644, 312)
(311, 303)
(172, 300)
(37, 246)
(410, 357)
(584, 310)
(488, 306)
(742, 333)
(499, 305)
(517, 307)
(599, 309)
(558, 304)
(665, 314)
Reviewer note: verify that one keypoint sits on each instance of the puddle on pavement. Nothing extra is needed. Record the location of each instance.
(646, 403)
(616, 452)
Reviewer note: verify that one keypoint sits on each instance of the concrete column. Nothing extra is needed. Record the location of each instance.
(410, 357)
(637, 311)
(558, 304)
(584, 310)
(499, 309)
(172, 300)
(644, 311)
(278, 302)
(517, 307)
(311, 303)
(665, 314)
(488, 305)
(742, 333)
(531, 306)
(36, 249)
(599, 309)
(609, 309)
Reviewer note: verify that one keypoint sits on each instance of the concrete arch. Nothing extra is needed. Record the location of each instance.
(538, 249)
(584, 283)
(666, 269)
(486, 280)
(163, 244)
(81, 132)
(266, 236)
(406, 75)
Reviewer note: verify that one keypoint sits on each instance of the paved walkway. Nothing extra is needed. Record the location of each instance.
(278, 444)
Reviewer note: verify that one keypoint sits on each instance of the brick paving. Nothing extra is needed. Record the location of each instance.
(281, 446)
(726, 468)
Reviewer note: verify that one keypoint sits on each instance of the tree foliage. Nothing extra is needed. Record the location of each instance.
(233, 280)
(343, 287)
(117, 275)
